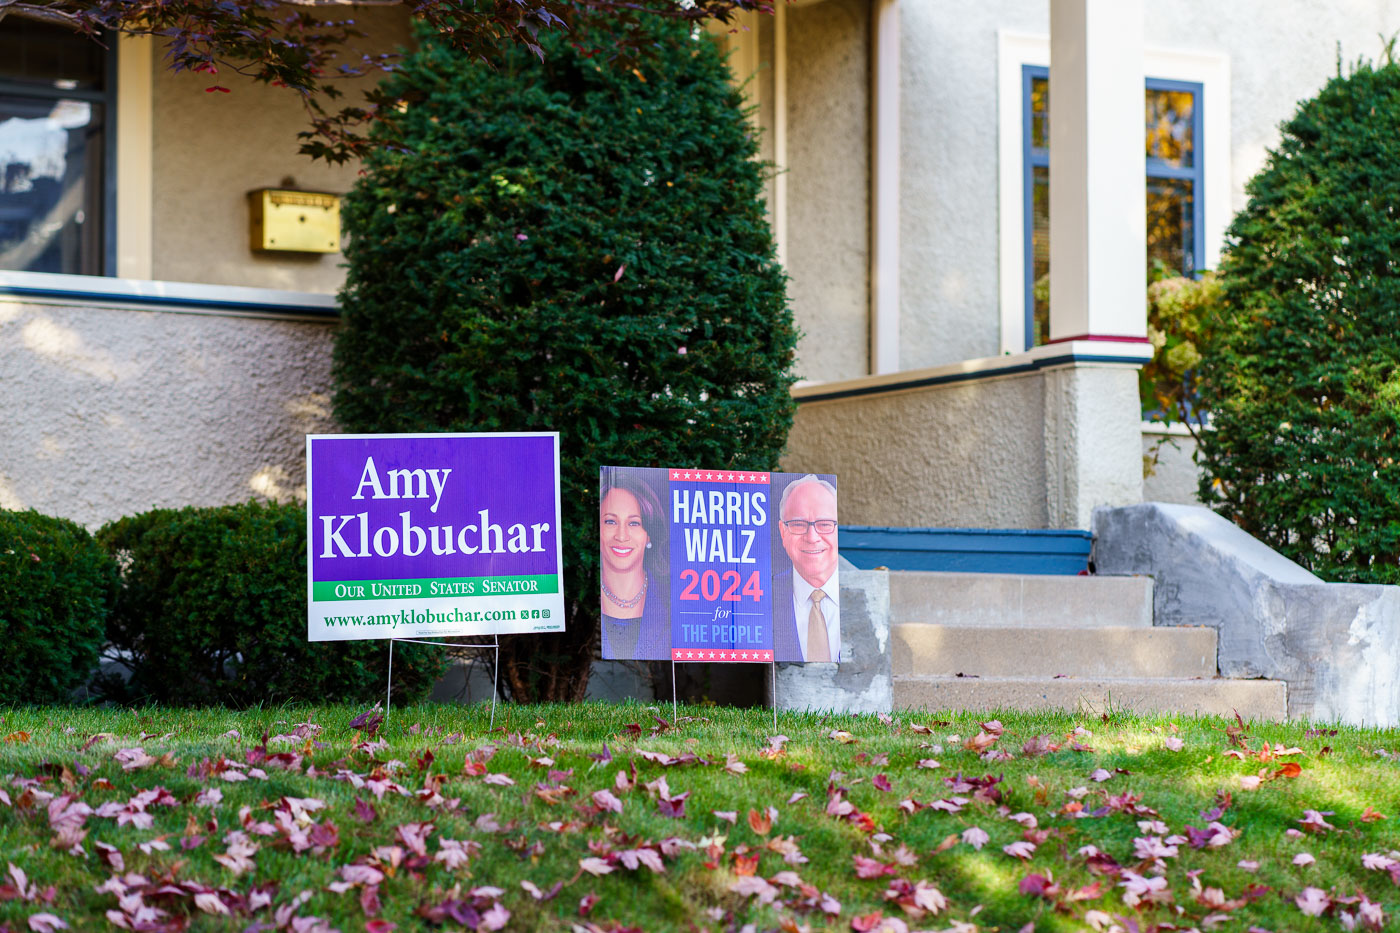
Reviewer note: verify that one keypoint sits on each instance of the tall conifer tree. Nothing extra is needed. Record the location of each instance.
(575, 245)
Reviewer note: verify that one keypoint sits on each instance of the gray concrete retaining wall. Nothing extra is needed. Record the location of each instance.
(1336, 645)
(861, 682)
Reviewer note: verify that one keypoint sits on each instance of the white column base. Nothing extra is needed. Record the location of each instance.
(1093, 441)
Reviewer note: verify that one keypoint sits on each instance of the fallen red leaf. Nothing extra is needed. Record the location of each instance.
(872, 868)
(867, 922)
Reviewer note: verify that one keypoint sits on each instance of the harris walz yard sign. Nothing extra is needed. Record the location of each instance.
(431, 535)
(718, 565)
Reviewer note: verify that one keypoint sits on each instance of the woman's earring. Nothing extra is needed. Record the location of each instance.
(648, 544)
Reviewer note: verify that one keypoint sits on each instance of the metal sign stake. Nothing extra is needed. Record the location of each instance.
(495, 644)
(675, 714)
(775, 697)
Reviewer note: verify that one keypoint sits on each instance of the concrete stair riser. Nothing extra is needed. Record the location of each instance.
(1003, 600)
(1253, 699)
(1125, 651)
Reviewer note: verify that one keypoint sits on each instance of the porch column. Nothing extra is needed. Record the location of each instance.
(1098, 214)
(1098, 258)
(885, 186)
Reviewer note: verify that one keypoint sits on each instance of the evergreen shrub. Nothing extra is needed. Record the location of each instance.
(1302, 373)
(212, 609)
(570, 245)
(55, 588)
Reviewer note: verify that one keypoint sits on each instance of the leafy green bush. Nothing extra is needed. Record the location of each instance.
(212, 609)
(55, 586)
(570, 245)
(1179, 309)
(1302, 376)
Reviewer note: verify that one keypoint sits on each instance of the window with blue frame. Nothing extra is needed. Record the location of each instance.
(56, 150)
(1175, 185)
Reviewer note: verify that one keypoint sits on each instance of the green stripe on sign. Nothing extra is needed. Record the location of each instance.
(344, 590)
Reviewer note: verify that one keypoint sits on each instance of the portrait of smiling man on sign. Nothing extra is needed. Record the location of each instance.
(806, 600)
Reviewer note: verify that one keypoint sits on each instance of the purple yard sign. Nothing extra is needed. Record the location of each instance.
(414, 535)
(719, 565)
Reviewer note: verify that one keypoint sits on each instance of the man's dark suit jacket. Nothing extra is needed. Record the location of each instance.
(786, 646)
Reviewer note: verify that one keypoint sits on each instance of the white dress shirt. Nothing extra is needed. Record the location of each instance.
(831, 611)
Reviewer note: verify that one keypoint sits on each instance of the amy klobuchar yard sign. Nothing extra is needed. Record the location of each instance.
(424, 535)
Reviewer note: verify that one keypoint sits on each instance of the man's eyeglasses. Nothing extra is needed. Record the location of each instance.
(799, 526)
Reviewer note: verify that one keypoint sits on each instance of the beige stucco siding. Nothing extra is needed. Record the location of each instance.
(1279, 53)
(969, 454)
(948, 204)
(828, 165)
(123, 410)
(1170, 473)
(209, 149)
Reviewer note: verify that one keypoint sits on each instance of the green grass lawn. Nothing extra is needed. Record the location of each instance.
(560, 818)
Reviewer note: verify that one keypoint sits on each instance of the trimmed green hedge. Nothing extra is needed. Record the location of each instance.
(1302, 373)
(55, 584)
(212, 609)
(578, 245)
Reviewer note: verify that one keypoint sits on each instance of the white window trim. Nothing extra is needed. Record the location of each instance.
(1014, 50)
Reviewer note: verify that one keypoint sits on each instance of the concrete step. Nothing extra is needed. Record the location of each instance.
(1001, 600)
(1253, 699)
(1013, 651)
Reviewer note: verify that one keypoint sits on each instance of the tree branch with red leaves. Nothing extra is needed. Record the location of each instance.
(293, 44)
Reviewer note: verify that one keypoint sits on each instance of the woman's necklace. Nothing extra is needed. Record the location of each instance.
(625, 603)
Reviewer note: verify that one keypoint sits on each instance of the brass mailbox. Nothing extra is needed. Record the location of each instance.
(294, 221)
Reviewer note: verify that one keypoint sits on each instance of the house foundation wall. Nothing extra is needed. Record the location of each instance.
(112, 411)
(1015, 446)
(1169, 472)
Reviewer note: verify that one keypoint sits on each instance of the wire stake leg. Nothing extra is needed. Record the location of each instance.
(389, 689)
(495, 683)
(775, 697)
(673, 691)
(496, 671)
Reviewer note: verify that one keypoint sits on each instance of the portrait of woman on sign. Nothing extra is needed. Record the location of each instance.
(633, 552)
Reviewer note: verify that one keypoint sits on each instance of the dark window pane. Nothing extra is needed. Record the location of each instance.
(1168, 124)
(50, 185)
(38, 53)
(1170, 230)
(1040, 255)
(1040, 113)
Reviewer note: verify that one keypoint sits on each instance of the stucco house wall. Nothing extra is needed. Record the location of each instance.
(921, 451)
(209, 149)
(205, 150)
(925, 457)
(1170, 473)
(116, 409)
(950, 211)
(828, 169)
